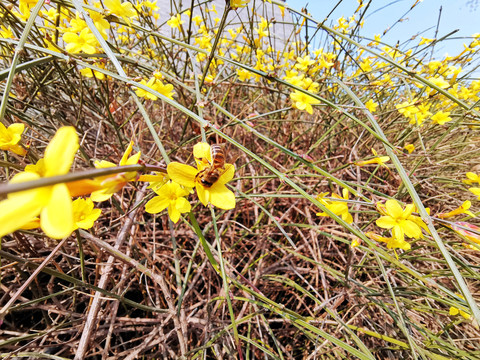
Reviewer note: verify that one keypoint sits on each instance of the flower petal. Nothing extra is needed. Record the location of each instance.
(60, 152)
(127, 152)
(222, 197)
(202, 150)
(411, 229)
(203, 194)
(227, 175)
(18, 210)
(182, 205)
(89, 220)
(173, 214)
(157, 204)
(386, 222)
(182, 174)
(56, 218)
(393, 208)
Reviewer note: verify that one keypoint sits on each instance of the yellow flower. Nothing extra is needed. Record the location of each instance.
(475, 191)
(217, 194)
(303, 101)
(376, 160)
(472, 178)
(454, 311)
(244, 75)
(100, 22)
(339, 208)
(145, 94)
(425, 41)
(171, 196)
(462, 209)
(355, 242)
(371, 105)
(441, 117)
(89, 73)
(409, 147)
(156, 180)
(175, 21)
(392, 243)
(399, 220)
(234, 4)
(263, 25)
(197, 19)
(53, 203)
(84, 215)
(85, 42)
(155, 84)
(164, 89)
(9, 138)
(125, 10)
(304, 63)
(113, 183)
(6, 33)
(26, 5)
(213, 9)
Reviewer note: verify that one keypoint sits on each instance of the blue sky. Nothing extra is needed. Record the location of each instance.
(456, 14)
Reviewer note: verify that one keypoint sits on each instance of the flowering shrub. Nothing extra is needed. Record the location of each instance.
(234, 164)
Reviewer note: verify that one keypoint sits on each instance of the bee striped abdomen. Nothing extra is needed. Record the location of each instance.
(218, 156)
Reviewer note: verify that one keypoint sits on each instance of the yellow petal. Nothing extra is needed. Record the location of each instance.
(202, 150)
(227, 175)
(127, 153)
(132, 160)
(60, 152)
(393, 208)
(182, 205)
(182, 174)
(221, 196)
(101, 195)
(56, 218)
(398, 233)
(203, 194)
(386, 222)
(89, 220)
(453, 311)
(18, 211)
(16, 128)
(173, 214)
(156, 205)
(411, 229)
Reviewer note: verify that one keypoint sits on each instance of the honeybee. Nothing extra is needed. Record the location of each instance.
(216, 168)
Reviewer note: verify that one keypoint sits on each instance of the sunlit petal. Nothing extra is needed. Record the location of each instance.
(203, 195)
(132, 160)
(202, 150)
(398, 233)
(411, 229)
(56, 218)
(173, 214)
(60, 152)
(182, 174)
(157, 204)
(394, 209)
(183, 205)
(222, 197)
(385, 222)
(124, 158)
(227, 175)
(18, 211)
